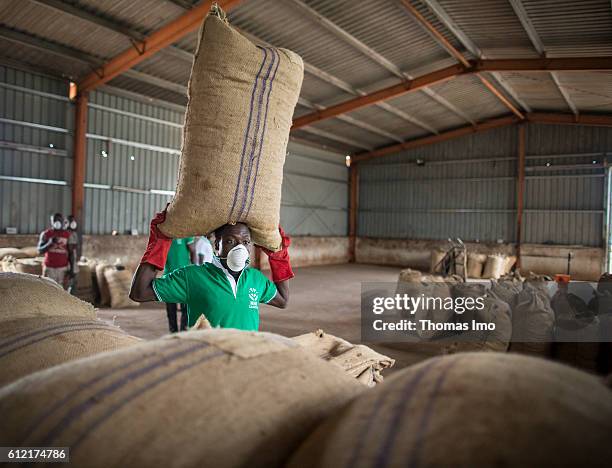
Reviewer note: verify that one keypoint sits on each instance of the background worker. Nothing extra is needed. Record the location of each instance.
(54, 243)
(181, 253)
(204, 249)
(227, 291)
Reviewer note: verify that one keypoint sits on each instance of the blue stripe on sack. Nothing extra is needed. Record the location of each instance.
(77, 411)
(58, 404)
(419, 438)
(398, 412)
(247, 131)
(256, 138)
(263, 135)
(116, 407)
(55, 333)
(15, 338)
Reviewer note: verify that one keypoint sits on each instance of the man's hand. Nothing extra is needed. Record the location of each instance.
(159, 244)
(279, 261)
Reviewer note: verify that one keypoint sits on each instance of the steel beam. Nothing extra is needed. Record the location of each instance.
(163, 37)
(353, 209)
(444, 136)
(596, 120)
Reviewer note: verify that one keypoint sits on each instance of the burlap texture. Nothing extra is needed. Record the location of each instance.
(475, 264)
(103, 284)
(27, 296)
(32, 266)
(33, 344)
(119, 282)
(207, 398)
(12, 252)
(495, 266)
(469, 410)
(359, 361)
(241, 102)
(533, 322)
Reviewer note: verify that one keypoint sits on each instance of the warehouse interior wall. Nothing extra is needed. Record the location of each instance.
(413, 201)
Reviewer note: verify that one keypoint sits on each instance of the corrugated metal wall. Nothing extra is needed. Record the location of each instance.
(132, 161)
(467, 188)
(35, 149)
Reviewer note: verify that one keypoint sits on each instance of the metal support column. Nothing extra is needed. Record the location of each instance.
(79, 157)
(353, 207)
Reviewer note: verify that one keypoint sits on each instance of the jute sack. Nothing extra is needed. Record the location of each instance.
(119, 281)
(102, 283)
(32, 344)
(241, 102)
(27, 296)
(467, 410)
(359, 361)
(12, 252)
(532, 322)
(245, 400)
(30, 252)
(494, 266)
(84, 281)
(506, 290)
(577, 331)
(475, 264)
(32, 266)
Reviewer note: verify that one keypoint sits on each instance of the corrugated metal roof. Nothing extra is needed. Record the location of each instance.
(492, 26)
(401, 44)
(572, 28)
(537, 90)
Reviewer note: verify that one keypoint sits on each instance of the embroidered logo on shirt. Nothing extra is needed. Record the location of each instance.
(253, 296)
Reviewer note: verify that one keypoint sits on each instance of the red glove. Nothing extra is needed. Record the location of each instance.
(159, 244)
(279, 261)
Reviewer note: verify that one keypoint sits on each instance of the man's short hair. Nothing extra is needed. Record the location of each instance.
(220, 230)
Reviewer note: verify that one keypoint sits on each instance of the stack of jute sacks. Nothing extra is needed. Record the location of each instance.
(251, 400)
(528, 318)
(43, 326)
(246, 399)
(241, 102)
(22, 260)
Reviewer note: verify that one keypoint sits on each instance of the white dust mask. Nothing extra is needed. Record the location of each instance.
(73, 225)
(237, 258)
(57, 224)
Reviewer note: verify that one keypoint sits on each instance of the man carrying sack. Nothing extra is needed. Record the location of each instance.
(227, 291)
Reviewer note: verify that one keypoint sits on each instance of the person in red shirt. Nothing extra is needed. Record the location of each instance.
(55, 244)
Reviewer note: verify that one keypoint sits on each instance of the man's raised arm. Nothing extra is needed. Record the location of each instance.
(153, 259)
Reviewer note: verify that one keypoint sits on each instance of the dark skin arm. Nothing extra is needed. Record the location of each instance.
(192, 254)
(142, 283)
(282, 295)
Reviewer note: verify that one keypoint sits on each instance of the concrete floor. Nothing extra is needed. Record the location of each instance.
(326, 297)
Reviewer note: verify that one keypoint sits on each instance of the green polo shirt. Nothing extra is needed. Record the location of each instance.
(178, 255)
(209, 289)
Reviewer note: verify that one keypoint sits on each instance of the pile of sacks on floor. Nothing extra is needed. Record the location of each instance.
(97, 281)
(477, 265)
(69, 380)
(527, 319)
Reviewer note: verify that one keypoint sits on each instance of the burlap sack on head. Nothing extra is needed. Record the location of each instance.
(244, 397)
(119, 281)
(241, 102)
(27, 296)
(359, 361)
(32, 344)
(468, 410)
